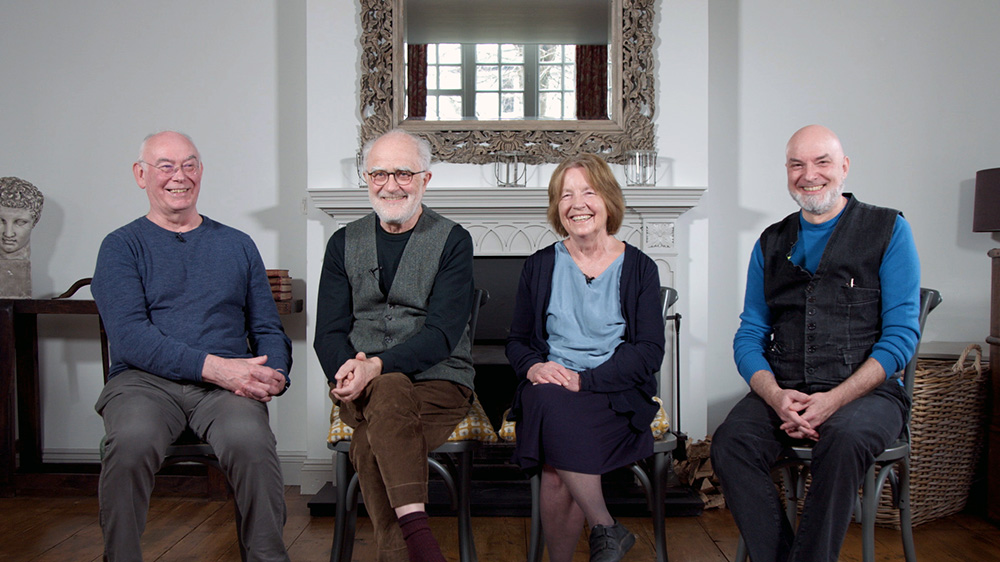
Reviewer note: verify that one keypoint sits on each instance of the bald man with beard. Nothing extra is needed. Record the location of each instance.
(830, 319)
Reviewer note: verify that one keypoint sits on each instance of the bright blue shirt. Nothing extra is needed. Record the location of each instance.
(900, 281)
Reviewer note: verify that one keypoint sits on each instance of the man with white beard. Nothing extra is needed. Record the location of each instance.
(830, 320)
(392, 318)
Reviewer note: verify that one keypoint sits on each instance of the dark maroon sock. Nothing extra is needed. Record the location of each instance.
(420, 542)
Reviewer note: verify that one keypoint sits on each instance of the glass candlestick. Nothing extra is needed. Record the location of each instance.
(640, 167)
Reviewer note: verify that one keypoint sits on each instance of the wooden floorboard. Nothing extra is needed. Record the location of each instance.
(66, 528)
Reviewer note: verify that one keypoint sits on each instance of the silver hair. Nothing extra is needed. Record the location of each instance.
(423, 148)
(142, 147)
(16, 193)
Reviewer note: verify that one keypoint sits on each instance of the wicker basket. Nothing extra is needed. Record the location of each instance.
(947, 428)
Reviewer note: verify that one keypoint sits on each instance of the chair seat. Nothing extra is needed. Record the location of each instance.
(665, 443)
(475, 426)
(660, 426)
(895, 451)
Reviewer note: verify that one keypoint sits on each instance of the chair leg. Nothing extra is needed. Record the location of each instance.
(869, 502)
(239, 528)
(466, 543)
(660, 464)
(905, 521)
(741, 551)
(537, 541)
(793, 483)
(342, 539)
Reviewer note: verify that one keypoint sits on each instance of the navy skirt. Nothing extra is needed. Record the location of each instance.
(575, 431)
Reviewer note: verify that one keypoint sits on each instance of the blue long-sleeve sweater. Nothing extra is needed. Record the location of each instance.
(169, 300)
(900, 281)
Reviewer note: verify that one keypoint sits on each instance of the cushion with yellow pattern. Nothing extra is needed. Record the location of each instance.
(661, 423)
(474, 427)
(506, 432)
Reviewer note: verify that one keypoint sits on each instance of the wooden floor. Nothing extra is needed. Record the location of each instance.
(191, 529)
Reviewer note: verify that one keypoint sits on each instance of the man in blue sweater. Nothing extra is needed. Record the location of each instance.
(181, 297)
(830, 319)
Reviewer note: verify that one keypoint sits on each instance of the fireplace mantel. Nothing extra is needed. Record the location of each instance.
(511, 221)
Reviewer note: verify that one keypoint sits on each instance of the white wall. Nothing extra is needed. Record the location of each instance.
(83, 83)
(269, 92)
(909, 86)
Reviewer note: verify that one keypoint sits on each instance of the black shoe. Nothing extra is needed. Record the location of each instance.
(610, 543)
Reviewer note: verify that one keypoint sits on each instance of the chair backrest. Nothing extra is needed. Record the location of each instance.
(482, 296)
(668, 296)
(105, 348)
(929, 300)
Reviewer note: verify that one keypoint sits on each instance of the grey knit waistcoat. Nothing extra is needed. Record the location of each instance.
(382, 321)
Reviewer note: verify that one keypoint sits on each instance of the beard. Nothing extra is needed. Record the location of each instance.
(818, 204)
(390, 215)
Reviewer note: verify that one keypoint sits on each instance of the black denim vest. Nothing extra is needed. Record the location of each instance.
(825, 324)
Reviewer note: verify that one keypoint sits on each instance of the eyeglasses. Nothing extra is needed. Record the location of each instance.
(403, 177)
(189, 167)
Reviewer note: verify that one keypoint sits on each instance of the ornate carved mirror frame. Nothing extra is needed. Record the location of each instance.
(477, 142)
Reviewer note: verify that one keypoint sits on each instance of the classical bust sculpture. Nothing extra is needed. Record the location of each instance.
(20, 207)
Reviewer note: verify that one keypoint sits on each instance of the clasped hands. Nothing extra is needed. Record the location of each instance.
(248, 377)
(803, 413)
(353, 376)
(551, 372)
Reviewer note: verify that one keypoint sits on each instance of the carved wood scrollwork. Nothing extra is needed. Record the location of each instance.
(472, 142)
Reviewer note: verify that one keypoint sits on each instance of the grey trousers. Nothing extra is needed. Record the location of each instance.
(143, 414)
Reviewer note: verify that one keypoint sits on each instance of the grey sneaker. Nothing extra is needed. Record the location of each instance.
(610, 543)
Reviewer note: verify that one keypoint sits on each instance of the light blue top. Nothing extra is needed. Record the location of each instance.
(584, 319)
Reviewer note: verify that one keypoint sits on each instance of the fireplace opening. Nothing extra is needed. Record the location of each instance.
(499, 276)
(495, 379)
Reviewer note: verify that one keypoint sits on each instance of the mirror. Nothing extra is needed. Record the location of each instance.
(622, 120)
(485, 60)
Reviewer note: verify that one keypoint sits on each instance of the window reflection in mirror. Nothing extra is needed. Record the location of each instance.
(475, 60)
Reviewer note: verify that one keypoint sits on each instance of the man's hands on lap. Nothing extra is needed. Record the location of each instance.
(248, 377)
(551, 372)
(803, 413)
(790, 406)
(353, 376)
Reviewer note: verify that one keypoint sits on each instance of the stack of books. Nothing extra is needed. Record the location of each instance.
(281, 289)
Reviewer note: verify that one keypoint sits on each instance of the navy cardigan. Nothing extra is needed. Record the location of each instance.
(628, 376)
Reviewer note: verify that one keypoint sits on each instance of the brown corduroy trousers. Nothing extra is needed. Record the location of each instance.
(396, 422)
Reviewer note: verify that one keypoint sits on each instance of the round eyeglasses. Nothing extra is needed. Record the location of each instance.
(403, 177)
(189, 167)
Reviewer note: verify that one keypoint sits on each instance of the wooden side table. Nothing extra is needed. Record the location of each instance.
(19, 376)
(19, 371)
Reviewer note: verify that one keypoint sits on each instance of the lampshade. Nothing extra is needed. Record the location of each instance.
(986, 217)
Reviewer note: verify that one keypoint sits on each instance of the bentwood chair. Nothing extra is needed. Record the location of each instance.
(892, 465)
(651, 472)
(188, 448)
(452, 461)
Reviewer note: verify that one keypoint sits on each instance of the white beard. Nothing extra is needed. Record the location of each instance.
(395, 216)
(818, 204)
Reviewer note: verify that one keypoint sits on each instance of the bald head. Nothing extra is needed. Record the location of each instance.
(814, 136)
(816, 168)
